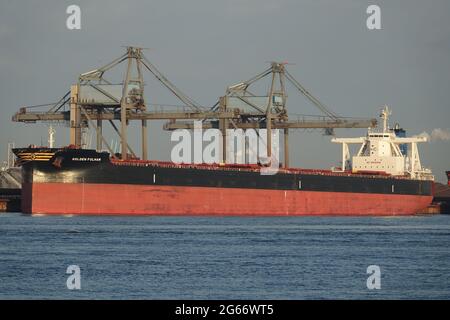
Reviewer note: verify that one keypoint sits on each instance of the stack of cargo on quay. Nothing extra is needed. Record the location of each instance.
(385, 177)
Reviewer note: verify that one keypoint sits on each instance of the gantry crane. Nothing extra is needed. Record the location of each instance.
(269, 111)
(95, 99)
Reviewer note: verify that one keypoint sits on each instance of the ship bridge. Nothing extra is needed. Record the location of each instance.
(381, 152)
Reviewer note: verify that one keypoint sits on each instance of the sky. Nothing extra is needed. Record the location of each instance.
(203, 46)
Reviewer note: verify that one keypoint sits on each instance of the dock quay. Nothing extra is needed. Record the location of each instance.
(10, 189)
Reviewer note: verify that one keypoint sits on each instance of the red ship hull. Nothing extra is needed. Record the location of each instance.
(67, 198)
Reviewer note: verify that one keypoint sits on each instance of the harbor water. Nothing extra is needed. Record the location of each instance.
(122, 257)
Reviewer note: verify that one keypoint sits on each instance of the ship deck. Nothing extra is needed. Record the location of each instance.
(251, 168)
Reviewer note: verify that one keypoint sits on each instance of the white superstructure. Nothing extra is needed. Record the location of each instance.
(380, 152)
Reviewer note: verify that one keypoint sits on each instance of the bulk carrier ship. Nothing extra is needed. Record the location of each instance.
(378, 180)
(385, 177)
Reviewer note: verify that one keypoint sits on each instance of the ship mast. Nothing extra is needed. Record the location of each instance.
(385, 113)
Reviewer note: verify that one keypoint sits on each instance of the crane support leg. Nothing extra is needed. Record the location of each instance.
(286, 148)
(99, 135)
(75, 117)
(144, 140)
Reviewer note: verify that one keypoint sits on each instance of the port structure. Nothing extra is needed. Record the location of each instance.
(269, 110)
(95, 99)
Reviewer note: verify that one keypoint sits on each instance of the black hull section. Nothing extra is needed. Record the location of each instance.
(90, 167)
